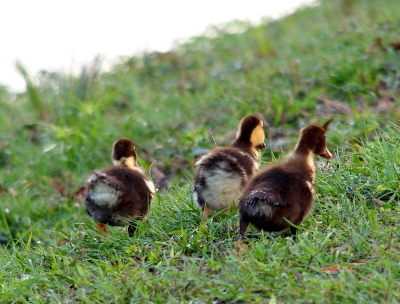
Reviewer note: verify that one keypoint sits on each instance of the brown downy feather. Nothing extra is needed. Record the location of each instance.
(223, 173)
(119, 195)
(285, 192)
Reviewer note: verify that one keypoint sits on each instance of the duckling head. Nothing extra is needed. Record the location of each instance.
(312, 138)
(124, 153)
(251, 133)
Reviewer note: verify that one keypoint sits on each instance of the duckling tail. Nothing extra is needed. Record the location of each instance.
(260, 202)
(263, 197)
(103, 190)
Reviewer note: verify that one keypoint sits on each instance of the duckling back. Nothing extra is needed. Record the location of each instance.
(221, 177)
(274, 195)
(116, 194)
(223, 173)
(284, 192)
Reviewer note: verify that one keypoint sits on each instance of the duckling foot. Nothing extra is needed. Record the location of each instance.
(241, 247)
(206, 213)
(103, 229)
(239, 238)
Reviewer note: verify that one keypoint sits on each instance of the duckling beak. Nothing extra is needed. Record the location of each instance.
(261, 146)
(327, 154)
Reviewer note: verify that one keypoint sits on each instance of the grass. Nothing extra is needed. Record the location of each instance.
(320, 62)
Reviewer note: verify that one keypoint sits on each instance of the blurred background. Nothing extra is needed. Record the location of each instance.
(85, 74)
(64, 35)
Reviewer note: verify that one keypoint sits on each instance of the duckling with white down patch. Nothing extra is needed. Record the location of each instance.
(121, 194)
(285, 192)
(223, 173)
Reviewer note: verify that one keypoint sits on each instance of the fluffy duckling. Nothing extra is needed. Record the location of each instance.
(285, 191)
(223, 172)
(119, 194)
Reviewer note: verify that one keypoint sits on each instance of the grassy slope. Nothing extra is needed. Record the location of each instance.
(318, 62)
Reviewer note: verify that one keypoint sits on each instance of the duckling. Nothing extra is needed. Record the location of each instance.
(120, 193)
(223, 172)
(285, 192)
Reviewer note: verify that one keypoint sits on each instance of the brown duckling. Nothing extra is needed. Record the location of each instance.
(121, 194)
(285, 192)
(223, 172)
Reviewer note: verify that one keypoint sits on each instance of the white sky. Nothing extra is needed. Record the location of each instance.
(62, 35)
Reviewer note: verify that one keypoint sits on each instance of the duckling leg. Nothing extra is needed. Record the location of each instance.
(132, 227)
(102, 228)
(293, 230)
(206, 212)
(243, 227)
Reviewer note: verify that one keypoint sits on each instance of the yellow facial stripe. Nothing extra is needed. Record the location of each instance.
(257, 136)
(129, 162)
